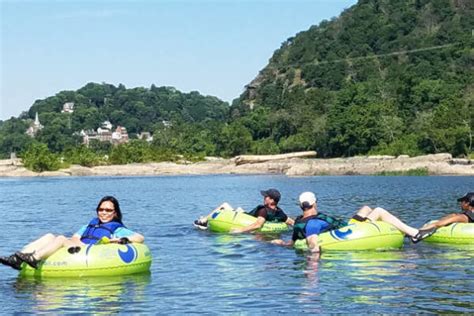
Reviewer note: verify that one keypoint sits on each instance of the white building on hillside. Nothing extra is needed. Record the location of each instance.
(35, 127)
(120, 136)
(68, 107)
(105, 134)
(145, 136)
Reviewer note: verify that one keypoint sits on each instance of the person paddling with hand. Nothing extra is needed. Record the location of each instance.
(312, 223)
(269, 211)
(107, 225)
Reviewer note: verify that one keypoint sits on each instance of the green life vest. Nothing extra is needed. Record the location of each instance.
(299, 229)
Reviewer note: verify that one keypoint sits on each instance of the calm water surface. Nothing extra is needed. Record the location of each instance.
(200, 272)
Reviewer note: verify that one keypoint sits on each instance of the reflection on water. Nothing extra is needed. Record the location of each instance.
(200, 272)
(103, 295)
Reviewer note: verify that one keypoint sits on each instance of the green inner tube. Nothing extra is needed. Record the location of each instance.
(456, 233)
(358, 236)
(222, 221)
(94, 260)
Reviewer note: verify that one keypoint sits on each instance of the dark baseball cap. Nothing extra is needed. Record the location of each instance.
(272, 193)
(468, 197)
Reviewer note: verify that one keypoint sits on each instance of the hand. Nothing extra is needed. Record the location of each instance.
(235, 231)
(122, 241)
(277, 242)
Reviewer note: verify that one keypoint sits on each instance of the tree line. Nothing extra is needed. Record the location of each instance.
(386, 77)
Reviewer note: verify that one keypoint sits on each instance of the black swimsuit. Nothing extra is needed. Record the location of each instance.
(470, 215)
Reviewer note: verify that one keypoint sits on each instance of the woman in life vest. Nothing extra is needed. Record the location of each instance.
(108, 223)
(269, 211)
(312, 223)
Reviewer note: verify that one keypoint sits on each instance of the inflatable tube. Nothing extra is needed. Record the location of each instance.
(358, 236)
(456, 233)
(222, 221)
(94, 260)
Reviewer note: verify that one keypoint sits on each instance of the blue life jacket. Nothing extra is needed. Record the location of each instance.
(299, 229)
(96, 230)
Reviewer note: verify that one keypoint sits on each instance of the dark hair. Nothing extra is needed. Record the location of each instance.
(118, 212)
(468, 197)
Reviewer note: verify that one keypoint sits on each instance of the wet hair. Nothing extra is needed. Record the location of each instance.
(118, 212)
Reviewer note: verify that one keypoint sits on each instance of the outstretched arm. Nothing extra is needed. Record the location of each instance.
(313, 243)
(281, 242)
(449, 219)
(256, 225)
(136, 237)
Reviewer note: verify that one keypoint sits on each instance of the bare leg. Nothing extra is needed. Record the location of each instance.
(57, 243)
(379, 213)
(223, 206)
(38, 243)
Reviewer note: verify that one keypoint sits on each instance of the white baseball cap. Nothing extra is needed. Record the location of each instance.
(307, 198)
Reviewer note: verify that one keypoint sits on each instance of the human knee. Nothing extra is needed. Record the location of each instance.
(364, 211)
(225, 206)
(48, 236)
(380, 210)
(61, 239)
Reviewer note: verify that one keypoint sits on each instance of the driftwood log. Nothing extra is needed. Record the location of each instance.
(244, 159)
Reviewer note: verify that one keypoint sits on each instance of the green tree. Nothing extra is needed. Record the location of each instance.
(83, 156)
(37, 157)
(13, 137)
(236, 140)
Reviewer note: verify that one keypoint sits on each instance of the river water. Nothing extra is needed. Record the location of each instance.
(201, 272)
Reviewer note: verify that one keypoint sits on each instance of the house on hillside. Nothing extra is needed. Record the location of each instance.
(103, 134)
(120, 136)
(68, 107)
(145, 136)
(106, 125)
(87, 136)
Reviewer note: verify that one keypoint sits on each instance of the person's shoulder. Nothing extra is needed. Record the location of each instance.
(123, 232)
(316, 222)
(260, 208)
(81, 230)
(123, 228)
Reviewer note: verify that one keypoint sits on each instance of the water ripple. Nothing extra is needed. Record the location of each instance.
(201, 272)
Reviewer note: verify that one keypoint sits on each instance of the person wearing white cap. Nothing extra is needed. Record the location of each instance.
(269, 211)
(466, 216)
(312, 223)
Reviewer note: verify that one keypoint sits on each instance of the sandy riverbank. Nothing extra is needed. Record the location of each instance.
(439, 164)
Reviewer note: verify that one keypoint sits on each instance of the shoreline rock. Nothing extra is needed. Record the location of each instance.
(436, 164)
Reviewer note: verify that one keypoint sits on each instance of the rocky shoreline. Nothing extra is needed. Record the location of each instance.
(437, 164)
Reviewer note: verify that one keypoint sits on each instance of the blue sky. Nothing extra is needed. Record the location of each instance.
(214, 47)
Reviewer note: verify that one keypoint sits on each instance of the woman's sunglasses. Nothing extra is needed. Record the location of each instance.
(107, 210)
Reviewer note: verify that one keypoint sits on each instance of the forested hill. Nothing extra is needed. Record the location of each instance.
(386, 77)
(393, 77)
(138, 109)
(154, 110)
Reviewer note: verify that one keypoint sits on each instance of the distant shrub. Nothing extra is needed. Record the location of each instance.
(410, 172)
(82, 156)
(37, 157)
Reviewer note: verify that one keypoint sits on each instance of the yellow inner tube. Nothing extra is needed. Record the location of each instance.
(222, 221)
(94, 260)
(359, 236)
